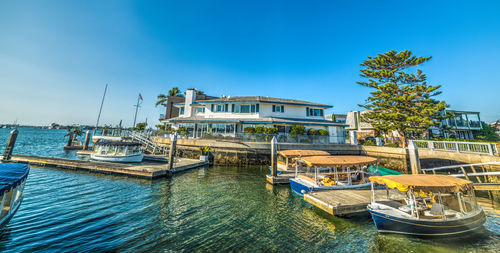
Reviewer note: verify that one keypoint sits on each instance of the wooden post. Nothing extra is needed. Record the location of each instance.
(171, 155)
(10, 145)
(86, 141)
(414, 158)
(70, 140)
(274, 148)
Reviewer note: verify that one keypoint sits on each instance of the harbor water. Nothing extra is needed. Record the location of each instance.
(209, 209)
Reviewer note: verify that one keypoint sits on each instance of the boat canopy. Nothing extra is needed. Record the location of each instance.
(302, 152)
(339, 161)
(424, 183)
(12, 174)
(117, 143)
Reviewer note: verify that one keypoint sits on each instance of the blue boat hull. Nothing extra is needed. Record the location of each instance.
(300, 188)
(390, 224)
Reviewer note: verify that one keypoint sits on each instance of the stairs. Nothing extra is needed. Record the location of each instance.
(148, 145)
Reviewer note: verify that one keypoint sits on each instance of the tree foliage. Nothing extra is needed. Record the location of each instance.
(161, 99)
(488, 133)
(175, 91)
(402, 100)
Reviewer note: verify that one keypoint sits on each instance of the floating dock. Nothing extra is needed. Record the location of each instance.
(149, 170)
(340, 202)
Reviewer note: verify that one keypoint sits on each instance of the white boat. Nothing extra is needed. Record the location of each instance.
(117, 151)
(12, 180)
(425, 205)
(331, 173)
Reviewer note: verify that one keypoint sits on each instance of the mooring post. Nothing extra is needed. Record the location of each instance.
(70, 139)
(86, 141)
(10, 145)
(353, 137)
(274, 148)
(171, 154)
(414, 157)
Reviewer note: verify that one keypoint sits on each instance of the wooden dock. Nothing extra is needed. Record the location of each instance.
(340, 202)
(280, 179)
(149, 170)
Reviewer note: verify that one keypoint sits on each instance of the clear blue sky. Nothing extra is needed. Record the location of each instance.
(56, 56)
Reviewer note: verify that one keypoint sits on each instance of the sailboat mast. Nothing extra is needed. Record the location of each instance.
(136, 108)
(100, 109)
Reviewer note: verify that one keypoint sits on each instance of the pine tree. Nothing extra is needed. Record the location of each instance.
(402, 100)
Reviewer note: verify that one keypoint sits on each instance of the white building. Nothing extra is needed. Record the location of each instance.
(229, 116)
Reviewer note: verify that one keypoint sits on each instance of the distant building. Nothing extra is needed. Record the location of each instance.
(339, 118)
(229, 116)
(464, 125)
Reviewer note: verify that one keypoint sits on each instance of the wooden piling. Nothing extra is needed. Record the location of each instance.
(86, 141)
(274, 150)
(171, 154)
(10, 145)
(414, 158)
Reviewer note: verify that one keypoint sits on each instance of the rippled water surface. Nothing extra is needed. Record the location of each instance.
(209, 209)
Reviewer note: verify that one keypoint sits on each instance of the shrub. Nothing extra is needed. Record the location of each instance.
(270, 130)
(249, 130)
(312, 131)
(297, 130)
(369, 143)
(259, 130)
(323, 132)
(391, 145)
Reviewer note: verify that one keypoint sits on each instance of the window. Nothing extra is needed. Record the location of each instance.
(314, 112)
(245, 108)
(181, 111)
(278, 108)
(200, 110)
(220, 108)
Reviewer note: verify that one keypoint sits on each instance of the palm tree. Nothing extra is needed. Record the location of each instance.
(161, 99)
(175, 92)
(199, 92)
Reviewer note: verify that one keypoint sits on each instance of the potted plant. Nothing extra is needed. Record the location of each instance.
(205, 152)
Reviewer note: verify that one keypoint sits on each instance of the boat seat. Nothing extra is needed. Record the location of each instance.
(391, 203)
(436, 209)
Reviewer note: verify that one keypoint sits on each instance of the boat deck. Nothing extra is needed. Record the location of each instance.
(144, 169)
(340, 202)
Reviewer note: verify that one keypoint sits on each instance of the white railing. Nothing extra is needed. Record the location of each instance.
(149, 145)
(457, 146)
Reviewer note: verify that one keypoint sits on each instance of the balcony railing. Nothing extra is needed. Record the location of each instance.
(456, 146)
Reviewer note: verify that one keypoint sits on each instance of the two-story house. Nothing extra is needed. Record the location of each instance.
(229, 116)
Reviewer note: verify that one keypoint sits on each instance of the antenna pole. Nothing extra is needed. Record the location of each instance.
(100, 109)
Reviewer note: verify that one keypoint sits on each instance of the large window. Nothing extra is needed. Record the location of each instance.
(181, 110)
(314, 112)
(219, 107)
(200, 110)
(254, 108)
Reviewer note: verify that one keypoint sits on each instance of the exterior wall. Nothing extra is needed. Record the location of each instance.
(265, 110)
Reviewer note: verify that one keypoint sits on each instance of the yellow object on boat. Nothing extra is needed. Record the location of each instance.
(424, 183)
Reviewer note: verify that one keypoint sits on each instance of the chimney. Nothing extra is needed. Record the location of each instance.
(190, 99)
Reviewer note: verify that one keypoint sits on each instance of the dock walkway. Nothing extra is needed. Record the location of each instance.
(149, 170)
(340, 202)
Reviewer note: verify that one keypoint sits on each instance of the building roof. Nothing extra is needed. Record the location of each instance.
(266, 120)
(262, 99)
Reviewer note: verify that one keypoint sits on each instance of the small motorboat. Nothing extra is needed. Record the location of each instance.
(331, 173)
(286, 163)
(12, 180)
(425, 205)
(117, 151)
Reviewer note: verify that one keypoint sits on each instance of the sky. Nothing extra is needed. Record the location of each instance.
(57, 56)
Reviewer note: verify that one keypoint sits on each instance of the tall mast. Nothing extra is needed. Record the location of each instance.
(136, 108)
(100, 109)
